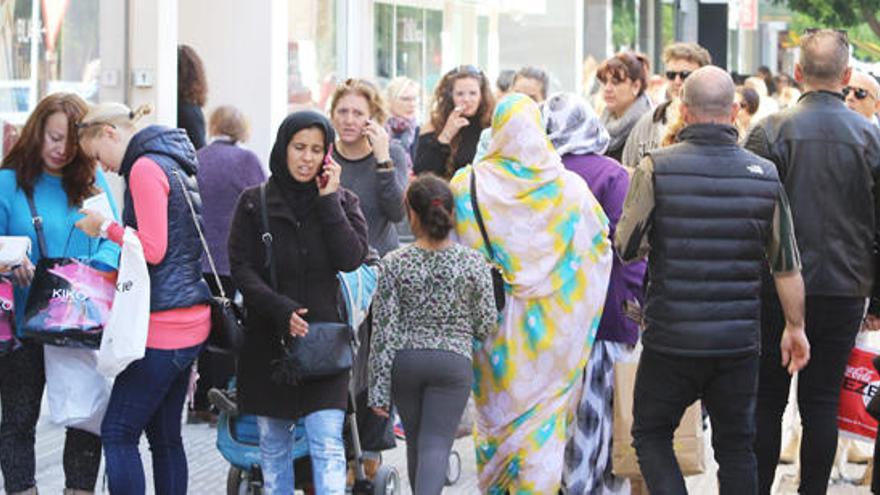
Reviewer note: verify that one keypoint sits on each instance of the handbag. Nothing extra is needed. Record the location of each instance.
(227, 317)
(69, 301)
(8, 342)
(497, 275)
(324, 351)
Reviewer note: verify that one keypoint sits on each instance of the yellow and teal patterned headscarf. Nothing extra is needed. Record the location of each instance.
(542, 220)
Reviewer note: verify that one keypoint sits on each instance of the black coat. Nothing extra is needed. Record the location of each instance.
(309, 252)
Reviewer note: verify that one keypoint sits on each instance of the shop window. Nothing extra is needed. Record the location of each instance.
(313, 53)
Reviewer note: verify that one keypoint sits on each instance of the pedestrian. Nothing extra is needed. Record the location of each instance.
(680, 61)
(46, 165)
(624, 80)
(503, 83)
(225, 170)
(533, 82)
(549, 238)
(192, 94)
(372, 167)
(461, 109)
(766, 74)
(863, 95)
(578, 136)
(829, 160)
(318, 230)
(708, 212)
(435, 297)
(402, 126)
(159, 167)
(748, 101)
(768, 105)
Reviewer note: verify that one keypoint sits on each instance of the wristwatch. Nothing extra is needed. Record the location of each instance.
(105, 226)
(385, 165)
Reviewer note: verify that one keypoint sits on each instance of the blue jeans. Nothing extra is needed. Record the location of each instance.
(324, 434)
(148, 396)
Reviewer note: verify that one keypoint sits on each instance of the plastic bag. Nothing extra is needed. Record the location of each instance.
(125, 335)
(76, 392)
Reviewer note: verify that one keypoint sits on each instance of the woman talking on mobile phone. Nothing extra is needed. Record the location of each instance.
(372, 167)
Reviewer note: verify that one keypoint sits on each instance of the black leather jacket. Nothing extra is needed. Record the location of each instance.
(828, 158)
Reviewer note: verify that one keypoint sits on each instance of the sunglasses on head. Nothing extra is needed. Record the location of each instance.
(466, 69)
(859, 93)
(683, 74)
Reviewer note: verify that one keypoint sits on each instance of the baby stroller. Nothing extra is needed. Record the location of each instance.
(238, 437)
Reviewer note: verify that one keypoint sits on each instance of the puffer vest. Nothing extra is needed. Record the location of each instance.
(177, 281)
(714, 206)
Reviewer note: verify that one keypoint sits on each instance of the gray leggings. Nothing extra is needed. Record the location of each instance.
(430, 389)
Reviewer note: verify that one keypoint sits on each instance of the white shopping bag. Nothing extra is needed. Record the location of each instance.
(77, 393)
(125, 335)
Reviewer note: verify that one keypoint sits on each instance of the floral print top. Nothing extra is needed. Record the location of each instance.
(428, 300)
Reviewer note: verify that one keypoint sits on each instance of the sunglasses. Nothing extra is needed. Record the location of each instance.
(466, 69)
(859, 93)
(743, 105)
(683, 74)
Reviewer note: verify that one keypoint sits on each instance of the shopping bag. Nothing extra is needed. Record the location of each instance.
(69, 303)
(860, 384)
(76, 392)
(687, 441)
(8, 343)
(125, 335)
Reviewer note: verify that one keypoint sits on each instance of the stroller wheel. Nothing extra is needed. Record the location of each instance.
(386, 481)
(240, 482)
(453, 469)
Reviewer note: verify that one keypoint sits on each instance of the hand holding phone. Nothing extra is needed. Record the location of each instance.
(323, 178)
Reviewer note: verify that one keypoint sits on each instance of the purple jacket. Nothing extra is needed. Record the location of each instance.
(609, 182)
(225, 171)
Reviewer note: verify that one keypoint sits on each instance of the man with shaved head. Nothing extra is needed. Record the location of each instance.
(863, 95)
(828, 158)
(711, 214)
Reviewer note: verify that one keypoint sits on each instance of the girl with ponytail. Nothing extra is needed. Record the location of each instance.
(435, 296)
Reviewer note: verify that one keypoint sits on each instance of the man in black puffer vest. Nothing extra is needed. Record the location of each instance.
(712, 215)
(828, 158)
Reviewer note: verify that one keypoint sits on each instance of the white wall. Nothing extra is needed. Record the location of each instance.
(244, 48)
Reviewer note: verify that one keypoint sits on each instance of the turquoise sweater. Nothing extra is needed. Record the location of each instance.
(62, 238)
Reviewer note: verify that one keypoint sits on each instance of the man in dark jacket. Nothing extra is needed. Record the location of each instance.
(711, 214)
(828, 158)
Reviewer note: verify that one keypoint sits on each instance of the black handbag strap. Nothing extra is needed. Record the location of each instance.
(478, 215)
(38, 226)
(267, 239)
(195, 218)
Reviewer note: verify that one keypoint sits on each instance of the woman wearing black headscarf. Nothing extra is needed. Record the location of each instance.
(318, 230)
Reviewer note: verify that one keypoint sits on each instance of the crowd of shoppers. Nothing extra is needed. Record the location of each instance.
(552, 242)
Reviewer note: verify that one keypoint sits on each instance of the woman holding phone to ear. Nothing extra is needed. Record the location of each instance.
(372, 167)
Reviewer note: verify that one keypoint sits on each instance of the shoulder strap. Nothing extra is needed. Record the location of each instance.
(267, 238)
(478, 215)
(38, 226)
(195, 219)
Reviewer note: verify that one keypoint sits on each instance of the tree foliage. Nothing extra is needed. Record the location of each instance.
(844, 13)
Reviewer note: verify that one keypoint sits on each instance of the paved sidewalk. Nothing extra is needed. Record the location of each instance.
(207, 469)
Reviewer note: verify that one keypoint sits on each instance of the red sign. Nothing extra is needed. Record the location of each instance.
(748, 15)
(860, 383)
(53, 17)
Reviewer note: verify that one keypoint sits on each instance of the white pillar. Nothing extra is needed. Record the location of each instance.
(244, 48)
(153, 52)
(597, 29)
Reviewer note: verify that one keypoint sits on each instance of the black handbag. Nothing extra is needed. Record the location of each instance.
(497, 276)
(326, 350)
(227, 317)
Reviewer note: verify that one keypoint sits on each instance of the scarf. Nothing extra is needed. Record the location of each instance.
(300, 196)
(619, 128)
(573, 127)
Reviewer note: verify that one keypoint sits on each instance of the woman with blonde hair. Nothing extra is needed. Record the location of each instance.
(549, 237)
(161, 204)
(373, 167)
(402, 94)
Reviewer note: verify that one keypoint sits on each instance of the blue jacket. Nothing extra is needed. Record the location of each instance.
(176, 282)
(63, 239)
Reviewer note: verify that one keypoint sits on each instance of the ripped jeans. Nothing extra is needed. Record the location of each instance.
(326, 449)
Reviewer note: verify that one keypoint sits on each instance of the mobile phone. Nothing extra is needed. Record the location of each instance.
(323, 178)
